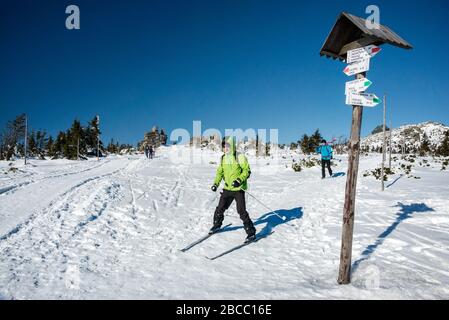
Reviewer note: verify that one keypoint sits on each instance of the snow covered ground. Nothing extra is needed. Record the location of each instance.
(112, 229)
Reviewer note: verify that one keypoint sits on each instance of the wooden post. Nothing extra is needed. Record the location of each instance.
(257, 145)
(26, 137)
(389, 154)
(384, 145)
(98, 137)
(344, 274)
(78, 150)
(348, 34)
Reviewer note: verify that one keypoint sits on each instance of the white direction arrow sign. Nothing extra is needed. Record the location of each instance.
(362, 99)
(356, 86)
(362, 53)
(357, 67)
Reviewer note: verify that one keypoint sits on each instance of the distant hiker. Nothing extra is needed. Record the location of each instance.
(326, 156)
(234, 170)
(151, 152)
(147, 151)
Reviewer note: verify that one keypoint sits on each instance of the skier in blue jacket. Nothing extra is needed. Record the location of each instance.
(326, 156)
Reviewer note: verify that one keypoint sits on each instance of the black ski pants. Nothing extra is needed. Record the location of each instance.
(226, 199)
(324, 164)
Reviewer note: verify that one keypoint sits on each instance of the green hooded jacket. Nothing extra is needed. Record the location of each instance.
(233, 167)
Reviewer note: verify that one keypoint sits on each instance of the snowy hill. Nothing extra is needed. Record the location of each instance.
(410, 135)
(112, 229)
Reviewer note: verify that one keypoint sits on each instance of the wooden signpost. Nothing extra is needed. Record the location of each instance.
(357, 100)
(352, 41)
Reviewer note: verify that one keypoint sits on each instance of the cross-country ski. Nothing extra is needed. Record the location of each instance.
(237, 247)
(190, 246)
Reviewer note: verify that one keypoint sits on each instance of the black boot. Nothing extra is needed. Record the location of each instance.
(214, 229)
(250, 237)
(250, 231)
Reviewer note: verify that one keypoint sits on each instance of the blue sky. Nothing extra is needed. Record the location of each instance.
(231, 64)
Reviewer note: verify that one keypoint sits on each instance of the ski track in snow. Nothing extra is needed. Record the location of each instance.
(117, 234)
(14, 187)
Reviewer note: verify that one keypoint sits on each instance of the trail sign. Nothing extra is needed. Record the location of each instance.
(357, 67)
(348, 33)
(362, 99)
(362, 53)
(357, 86)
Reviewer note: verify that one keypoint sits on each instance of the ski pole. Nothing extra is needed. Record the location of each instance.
(274, 211)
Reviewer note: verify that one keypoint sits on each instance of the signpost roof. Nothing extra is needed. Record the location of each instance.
(350, 32)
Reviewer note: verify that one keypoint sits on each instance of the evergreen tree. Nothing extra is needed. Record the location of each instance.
(20, 149)
(315, 140)
(92, 132)
(113, 147)
(308, 144)
(77, 137)
(31, 143)
(304, 144)
(41, 141)
(49, 147)
(69, 150)
(424, 148)
(110, 146)
(443, 150)
(60, 145)
(12, 135)
(163, 137)
(2, 146)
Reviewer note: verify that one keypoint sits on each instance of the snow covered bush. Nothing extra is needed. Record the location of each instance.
(310, 162)
(377, 173)
(296, 167)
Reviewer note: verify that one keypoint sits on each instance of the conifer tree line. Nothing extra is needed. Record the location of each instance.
(76, 142)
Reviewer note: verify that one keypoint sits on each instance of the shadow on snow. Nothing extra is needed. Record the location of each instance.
(271, 221)
(338, 174)
(405, 212)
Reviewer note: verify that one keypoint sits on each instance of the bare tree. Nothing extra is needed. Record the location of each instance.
(12, 135)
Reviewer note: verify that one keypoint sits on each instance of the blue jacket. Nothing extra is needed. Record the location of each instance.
(325, 151)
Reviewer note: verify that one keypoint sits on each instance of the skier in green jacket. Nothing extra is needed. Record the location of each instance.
(234, 170)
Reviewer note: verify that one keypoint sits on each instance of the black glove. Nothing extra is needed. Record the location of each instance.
(214, 188)
(236, 183)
